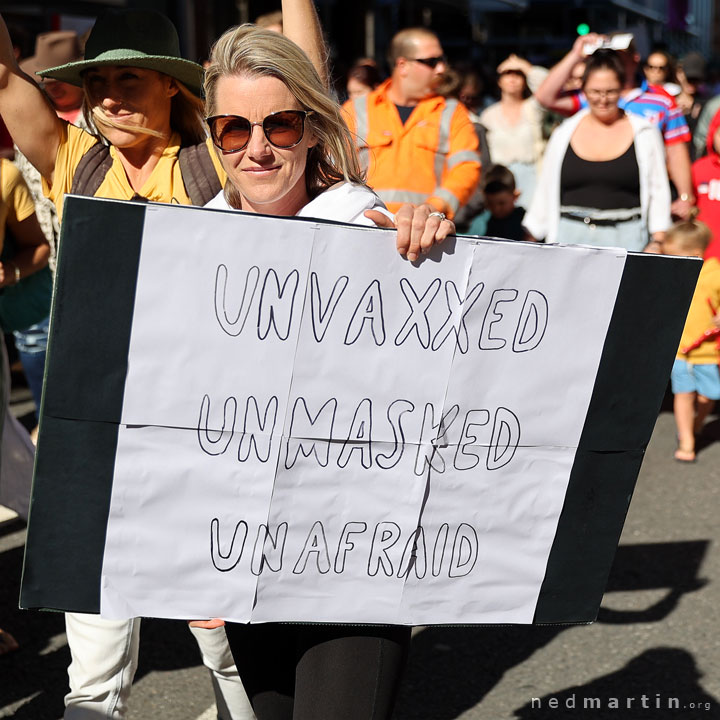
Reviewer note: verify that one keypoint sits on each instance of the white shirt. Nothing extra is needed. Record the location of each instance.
(343, 202)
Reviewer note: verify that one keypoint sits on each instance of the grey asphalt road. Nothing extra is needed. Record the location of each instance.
(654, 652)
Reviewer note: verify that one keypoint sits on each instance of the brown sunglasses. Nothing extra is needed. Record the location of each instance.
(283, 129)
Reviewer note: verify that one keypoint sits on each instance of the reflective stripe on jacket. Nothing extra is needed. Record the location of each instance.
(431, 158)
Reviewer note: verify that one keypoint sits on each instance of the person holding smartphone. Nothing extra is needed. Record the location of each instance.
(655, 106)
(603, 180)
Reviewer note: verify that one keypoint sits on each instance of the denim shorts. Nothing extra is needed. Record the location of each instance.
(703, 379)
(628, 234)
(34, 339)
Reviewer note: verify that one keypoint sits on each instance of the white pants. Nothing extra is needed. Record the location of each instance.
(104, 661)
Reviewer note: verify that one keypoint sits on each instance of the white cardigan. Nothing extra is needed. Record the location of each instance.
(543, 217)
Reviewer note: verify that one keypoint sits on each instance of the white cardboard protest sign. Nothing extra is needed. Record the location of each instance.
(314, 429)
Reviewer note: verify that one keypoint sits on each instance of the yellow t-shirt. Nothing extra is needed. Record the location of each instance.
(16, 203)
(699, 317)
(165, 183)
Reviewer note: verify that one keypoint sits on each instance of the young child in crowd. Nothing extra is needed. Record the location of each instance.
(695, 377)
(502, 218)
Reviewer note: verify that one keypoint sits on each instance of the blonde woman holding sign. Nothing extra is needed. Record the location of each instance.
(287, 152)
(144, 99)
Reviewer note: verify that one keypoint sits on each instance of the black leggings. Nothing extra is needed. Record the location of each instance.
(320, 672)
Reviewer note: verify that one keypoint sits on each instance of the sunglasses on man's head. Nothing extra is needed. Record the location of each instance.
(283, 129)
(431, 62)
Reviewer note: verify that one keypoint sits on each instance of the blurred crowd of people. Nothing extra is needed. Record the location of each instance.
(604, 148)
(515, 114)
(513, 117)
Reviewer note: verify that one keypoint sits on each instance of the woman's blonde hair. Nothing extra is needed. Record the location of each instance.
(186, 117)
(252, 51)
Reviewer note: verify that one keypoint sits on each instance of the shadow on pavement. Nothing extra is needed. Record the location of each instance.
(452, 669)
(659, 684)
(11, 526)
(651, 566)
(709, 434)
(37, 671)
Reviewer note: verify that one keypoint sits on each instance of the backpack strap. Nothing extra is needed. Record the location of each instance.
(199, 175)
(94, 165)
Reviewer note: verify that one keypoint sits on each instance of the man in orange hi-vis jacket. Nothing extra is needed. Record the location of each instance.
(416, 145)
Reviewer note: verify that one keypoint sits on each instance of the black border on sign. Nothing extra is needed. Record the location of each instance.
(650, 311)
(89, 341)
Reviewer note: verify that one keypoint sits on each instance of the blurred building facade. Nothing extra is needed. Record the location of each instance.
(477, 30)
(548, 25)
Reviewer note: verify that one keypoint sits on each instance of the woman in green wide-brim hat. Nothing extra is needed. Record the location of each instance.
(142, 96)
(147, 41)
(141, 39)
(144, 99)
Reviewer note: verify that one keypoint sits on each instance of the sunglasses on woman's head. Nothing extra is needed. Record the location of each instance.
(283, 129)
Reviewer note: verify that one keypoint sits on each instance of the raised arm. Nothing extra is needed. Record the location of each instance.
(534, 74)
(549, 94)
(30, 119)
(302, 25)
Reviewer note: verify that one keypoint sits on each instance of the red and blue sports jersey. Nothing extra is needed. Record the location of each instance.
(655, 105)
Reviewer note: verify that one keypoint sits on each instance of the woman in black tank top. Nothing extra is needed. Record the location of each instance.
(602, 200)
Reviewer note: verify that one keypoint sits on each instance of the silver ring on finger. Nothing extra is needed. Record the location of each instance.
(438, 214)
